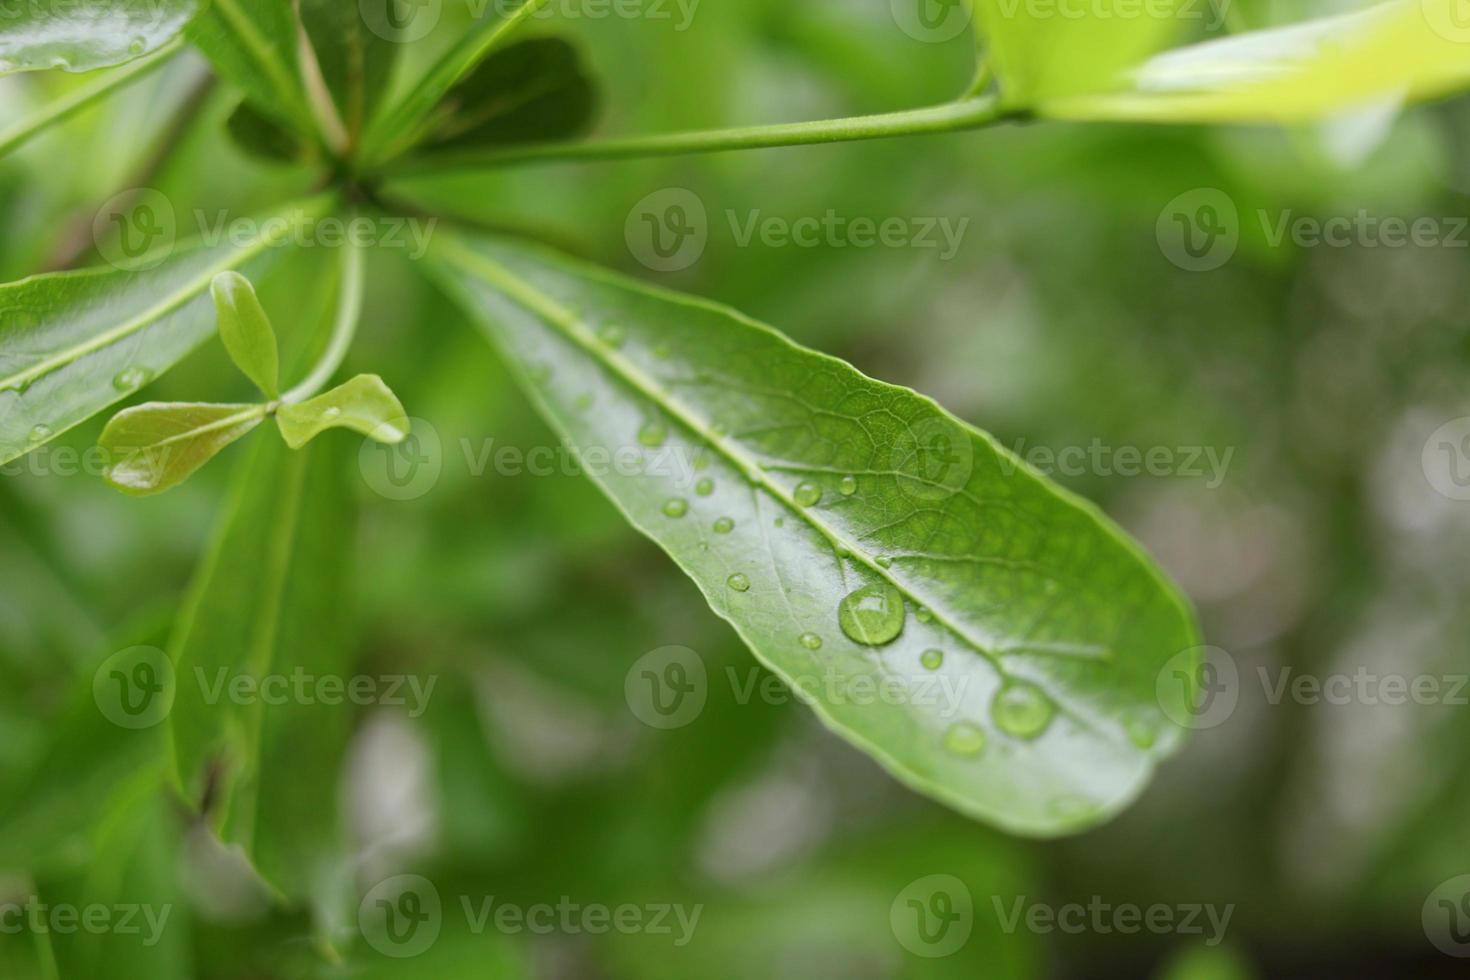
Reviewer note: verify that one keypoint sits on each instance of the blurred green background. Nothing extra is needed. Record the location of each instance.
(1061, 321)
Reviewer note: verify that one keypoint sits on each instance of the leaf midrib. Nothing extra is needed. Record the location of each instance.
(564, 321)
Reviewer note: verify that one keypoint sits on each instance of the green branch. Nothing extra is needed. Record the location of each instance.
(950, 117)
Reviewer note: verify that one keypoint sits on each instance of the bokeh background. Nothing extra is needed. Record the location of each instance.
(1327, 546)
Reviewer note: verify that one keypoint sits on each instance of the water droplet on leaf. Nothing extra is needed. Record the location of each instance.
(932, 659)
(724, 525)
(130, 379)
(738, 582)
(811, 641)
(705, 487)
(653, 435)
(884, 561)
(40, 433)
(964, 738)
(676, 507)
(1022, 710)
(807, 494)
(924, 615)
(872, 615)
(848, 486)
(612, 334)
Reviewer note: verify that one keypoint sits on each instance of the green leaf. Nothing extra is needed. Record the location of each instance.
(270, 601)
(246, 331)
(1389, 53)
(365, 404)
(858, 538)
(1043, 50)
(400, 129)
(74, 343)
(530, 92)
(253, 43)
(266, 139)
(83, 35)
(356, 62)
(157, 446)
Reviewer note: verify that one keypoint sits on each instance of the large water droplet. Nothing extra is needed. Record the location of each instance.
(807, 494)
(653, 434)
(932, 659)
(738, 582)
(130, 379)
(705, 487)
(724, 525)
(676, 507)
(811, 641)
(848, 486)
(965, 738)
(1022, 710)
(872, 615)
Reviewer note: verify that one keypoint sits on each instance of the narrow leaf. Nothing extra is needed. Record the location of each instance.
(82, 35)
(246, 331)
(157, 446)
(1389, 53)
(860, 540)
(253, 43)
(356, 61)
(269, 602)
(74, 343)
(365, 404)
(265, 138)
(530, 92)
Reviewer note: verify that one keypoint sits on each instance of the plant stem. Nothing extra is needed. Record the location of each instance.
(950, 117)
(73, 102)
(349, 311)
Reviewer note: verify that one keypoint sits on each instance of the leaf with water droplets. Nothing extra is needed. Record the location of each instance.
(83, 35)
(74, 343)
(1014, 635)
(157, 446)
(365, 404)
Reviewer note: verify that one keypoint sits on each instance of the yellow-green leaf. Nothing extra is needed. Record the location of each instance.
(246, 331)
(365, 404)
(157, 446)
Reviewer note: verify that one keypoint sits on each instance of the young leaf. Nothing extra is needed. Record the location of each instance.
(246, 331)
(859, 539)
(253, 43)
(530, 92)
(269, 601)
(365, 404)
(157, 446)
(355, 61)
(1391, 52)
(82, 35)
(1039, 54)
(74, 343)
